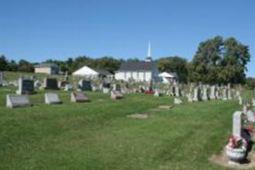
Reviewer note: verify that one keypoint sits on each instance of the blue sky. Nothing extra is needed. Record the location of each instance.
(37, 30)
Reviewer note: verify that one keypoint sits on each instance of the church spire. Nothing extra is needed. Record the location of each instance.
(148, 58)
(149, 49)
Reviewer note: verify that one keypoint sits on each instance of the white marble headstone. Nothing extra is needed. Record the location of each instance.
(237, 124)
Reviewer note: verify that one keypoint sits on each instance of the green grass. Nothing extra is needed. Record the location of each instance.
(98, 135)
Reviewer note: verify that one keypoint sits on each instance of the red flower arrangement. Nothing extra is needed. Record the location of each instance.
(237, 142)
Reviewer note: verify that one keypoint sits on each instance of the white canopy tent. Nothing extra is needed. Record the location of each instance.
(168, 77)
(85, 71)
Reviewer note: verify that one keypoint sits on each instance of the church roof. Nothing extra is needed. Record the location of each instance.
(137, 66)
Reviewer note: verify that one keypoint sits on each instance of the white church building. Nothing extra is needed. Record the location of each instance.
(138, 71)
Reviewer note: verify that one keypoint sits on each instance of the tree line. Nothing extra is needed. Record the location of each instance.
(217, 60)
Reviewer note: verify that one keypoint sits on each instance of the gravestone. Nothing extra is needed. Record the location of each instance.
(1, 78)
(177, 101)
(205, 95)
(237, 124)
(177, 91)
(13, 101)
(240, 100)
(37, 84)
(229, 92)
(51, 83)
(212, 92)
(116, 87)
(156, 93)
(106, 87)
(250, 116)
(52, 98)
(253, 102)
(197, 94)
(189, 96)
(224, 93)
(68, 87)
(116, 95)
(85, 85)
(79, 97)
(62, 84)
(25, 86)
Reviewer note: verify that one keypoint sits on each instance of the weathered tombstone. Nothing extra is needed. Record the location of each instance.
(116, 87)
(240, 100)
(37, 84)
(253, 102)
(51, 83)
(212, 92)
(25, 86)
(189, 96)
(237, 124)
(106, 87)
(68, 87)
(116, 95)
(197, 94)
(177, 91)
(229, 92)
(85, 85)
(217, 94)
(250, 116)
(177, 101)
(224, 94)
(13, 101)
(52, 98)
(204, 96)
(79, 97)
(156, 93)
(1, 78)
(62, 84)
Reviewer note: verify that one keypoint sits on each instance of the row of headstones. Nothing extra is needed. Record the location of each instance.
(13, 100)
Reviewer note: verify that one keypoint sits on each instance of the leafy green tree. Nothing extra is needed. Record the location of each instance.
(174, 64)
(25, 66)
(219, 61)
(3, 63)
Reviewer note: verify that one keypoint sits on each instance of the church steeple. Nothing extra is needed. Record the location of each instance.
(148, 58)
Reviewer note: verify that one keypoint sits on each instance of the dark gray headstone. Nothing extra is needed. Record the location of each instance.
(25, 86)
(51, 83)
(85, 85)
(13, 101)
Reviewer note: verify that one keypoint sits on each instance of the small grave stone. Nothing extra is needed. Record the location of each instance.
(79, 97)
(25, 86)
(68, 87)
(177, 91)
(240, 100)
(116, 95)
(106, 87)
(229, 92)
(116, 87)
(197, 94)
(13, 101)
(224, 94)
(85, 85)
(204, 96)
(52, 98)
(212, 92)
(1, 78)
(51, 83)
(177, 101)
(189, 96)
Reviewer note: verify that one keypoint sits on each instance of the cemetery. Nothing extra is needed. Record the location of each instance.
(185, 122)
(127, 85)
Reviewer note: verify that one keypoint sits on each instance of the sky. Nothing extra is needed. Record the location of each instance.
(36, 30)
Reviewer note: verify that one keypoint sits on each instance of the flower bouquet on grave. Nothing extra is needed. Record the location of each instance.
(236, 149)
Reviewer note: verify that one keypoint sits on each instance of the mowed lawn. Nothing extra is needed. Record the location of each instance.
(98, 135)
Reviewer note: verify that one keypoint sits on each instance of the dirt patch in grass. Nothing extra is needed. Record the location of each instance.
(138, 116)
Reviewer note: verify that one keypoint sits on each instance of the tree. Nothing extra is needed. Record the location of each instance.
(25, 66)
(174, 64)
(219, 61)
(3, 63)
